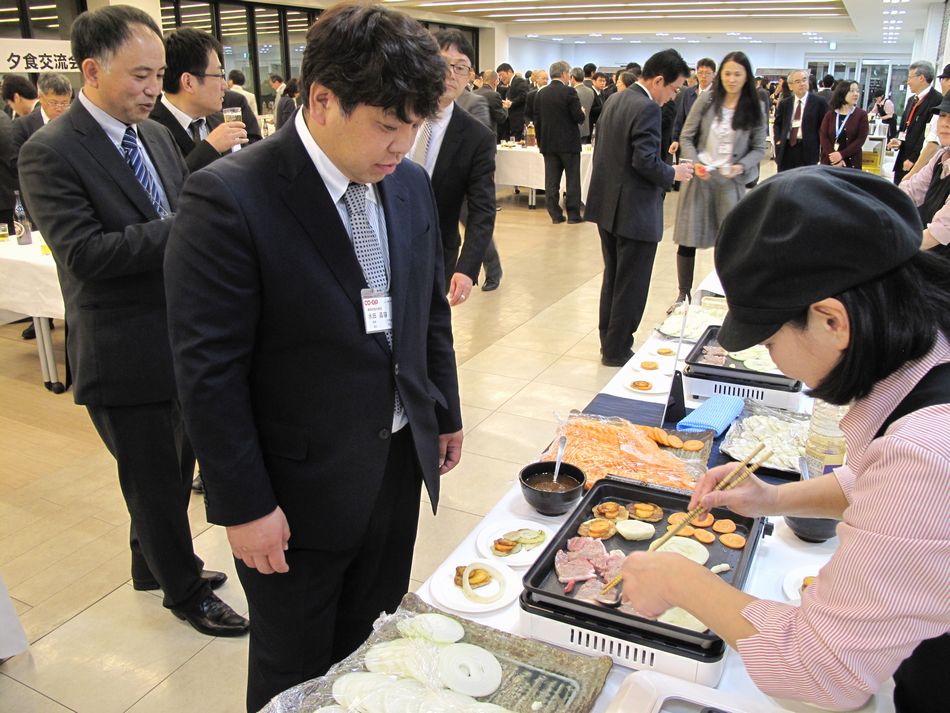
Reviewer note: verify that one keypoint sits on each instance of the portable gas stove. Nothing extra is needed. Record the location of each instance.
(550, 614)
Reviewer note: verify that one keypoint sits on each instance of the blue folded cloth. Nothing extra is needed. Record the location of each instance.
(715, 414)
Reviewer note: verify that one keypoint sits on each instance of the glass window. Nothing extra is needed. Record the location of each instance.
(9, 19)
(196, 15)
(269, 54)
(297, 24)
(51, 19)
(168, 16)
(235, 42)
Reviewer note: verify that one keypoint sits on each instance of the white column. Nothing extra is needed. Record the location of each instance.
(492, 46)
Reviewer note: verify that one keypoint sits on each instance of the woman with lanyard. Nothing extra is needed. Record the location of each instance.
(844, 299)
(724, 135)
(845, 128)
(929, 188)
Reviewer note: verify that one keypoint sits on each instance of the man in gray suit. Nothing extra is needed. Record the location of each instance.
(102, 184)
(587, 96)
(627, 187)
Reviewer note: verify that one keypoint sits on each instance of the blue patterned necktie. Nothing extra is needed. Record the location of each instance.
(369, 252)
(133, 154)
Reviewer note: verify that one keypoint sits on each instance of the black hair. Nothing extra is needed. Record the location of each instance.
(589, 69)
(237, 76)
(634, 67)
(504, 67)
(893, 320)
(276, 78)
(186, 50)
(369, 54)
(668, 64)
(877, 93)
(598, 75)
(828, 81)
(97, 34)
(628, 78)
(748, 113)
(706, 62)
(812, 83)
(840, 92)
(16, 84)
(448, 38)
(527, 75)
(292, 88)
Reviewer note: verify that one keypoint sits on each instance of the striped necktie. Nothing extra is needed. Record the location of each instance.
(421, 151)
(133, 154)
(369, 252)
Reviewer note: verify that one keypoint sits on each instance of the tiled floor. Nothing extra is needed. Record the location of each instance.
(527, 353)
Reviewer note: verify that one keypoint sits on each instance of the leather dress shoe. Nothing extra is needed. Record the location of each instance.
(618, 361)
(490, 285)
(575, 220)
(214, 580)
(559, 219)
(29, 332)
(214, 618)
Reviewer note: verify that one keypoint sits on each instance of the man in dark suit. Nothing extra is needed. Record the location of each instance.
(102, 184)
(558, 116)
(315, 414)
(917, 112)
(194, 85)
(458, 152)
(517, 94)
(705, 73)
(627, 187)
(497, 106)
(599, 84)
(539, 78)
(19, 94)
(797, 122)
(7, 177)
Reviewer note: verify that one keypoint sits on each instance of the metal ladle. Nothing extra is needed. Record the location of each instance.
(561, 444)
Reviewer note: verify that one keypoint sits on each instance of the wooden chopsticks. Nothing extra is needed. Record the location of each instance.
(738, 474)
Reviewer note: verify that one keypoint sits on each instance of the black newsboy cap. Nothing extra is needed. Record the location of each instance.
(805, 235)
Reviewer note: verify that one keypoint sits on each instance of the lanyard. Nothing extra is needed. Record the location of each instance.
(839, 125)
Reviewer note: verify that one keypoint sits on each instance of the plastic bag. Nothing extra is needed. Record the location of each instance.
(782, 432)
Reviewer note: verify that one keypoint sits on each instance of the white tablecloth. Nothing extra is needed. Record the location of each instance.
(28, 281)
(525, 167)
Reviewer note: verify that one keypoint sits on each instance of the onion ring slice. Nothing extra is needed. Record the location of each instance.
(475, 596)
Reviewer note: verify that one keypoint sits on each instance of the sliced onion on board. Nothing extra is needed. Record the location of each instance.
(469, 669)
(475, 596)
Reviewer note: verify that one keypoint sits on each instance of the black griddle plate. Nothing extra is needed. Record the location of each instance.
(543, 589)
(733, 370)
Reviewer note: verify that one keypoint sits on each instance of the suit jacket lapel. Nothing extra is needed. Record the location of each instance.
(450, 144)
(307, 198)
(169, 174)
(100, 147)
(396, 209)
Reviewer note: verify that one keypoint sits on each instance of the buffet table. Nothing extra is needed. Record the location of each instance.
(524, 166)
(778, 554)
(29, 285)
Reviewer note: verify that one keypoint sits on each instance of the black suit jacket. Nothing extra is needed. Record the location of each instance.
(286, 398)
(629, 177)
(812, 116)
(109, 244)
(465, 169)
(496, 111)
(8, 182)
(683, 103)
(917, 129)
(517, 94)
(199, 155)
(558, 116)
(23, 128)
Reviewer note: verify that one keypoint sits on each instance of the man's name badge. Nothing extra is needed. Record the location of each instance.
(377, 310)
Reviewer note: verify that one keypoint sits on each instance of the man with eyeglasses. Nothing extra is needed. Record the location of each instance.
(797, 122)
(917, 112)
(685, 98)
(194, 85)
(458, 153)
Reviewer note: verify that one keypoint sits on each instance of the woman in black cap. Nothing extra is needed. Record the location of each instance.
(845, 300)
(929, 188)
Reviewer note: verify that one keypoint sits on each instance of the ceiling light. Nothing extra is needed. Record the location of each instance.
(558, 39)
(634, 42)
(679, 38)
(595, 34)
(580, 42)
(755, 42)
(531, 36)
(692, 42)
(616, 38)
(736, 34)
(662, 34)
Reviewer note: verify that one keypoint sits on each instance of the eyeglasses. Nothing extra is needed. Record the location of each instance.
(219, 75)
(57, 105)
(460, 69)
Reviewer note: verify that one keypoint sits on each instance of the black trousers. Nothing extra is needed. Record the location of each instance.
(492, 263)
(570, 165)
(628, 265)
(319, 612)
(793, 156)
(156, 465)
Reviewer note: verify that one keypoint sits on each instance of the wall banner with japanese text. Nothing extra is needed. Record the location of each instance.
(36, 56)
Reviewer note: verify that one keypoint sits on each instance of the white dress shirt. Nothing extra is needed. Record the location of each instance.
(437, 126)
(185, 119)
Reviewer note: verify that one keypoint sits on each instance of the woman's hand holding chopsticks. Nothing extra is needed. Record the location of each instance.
(752, 497)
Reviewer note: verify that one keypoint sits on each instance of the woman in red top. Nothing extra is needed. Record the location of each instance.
(845, 128)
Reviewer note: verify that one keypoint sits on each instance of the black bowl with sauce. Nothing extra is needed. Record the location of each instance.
(547, 497)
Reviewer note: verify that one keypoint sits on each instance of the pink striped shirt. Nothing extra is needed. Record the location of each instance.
(887, 586)
(916, 187)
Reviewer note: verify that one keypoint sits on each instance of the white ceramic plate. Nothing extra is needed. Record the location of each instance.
(443, 589)
(491, 532)
(664, 367)
(793, 581)
(659, 387)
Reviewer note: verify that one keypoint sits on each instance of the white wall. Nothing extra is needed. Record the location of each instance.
(531, 54)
